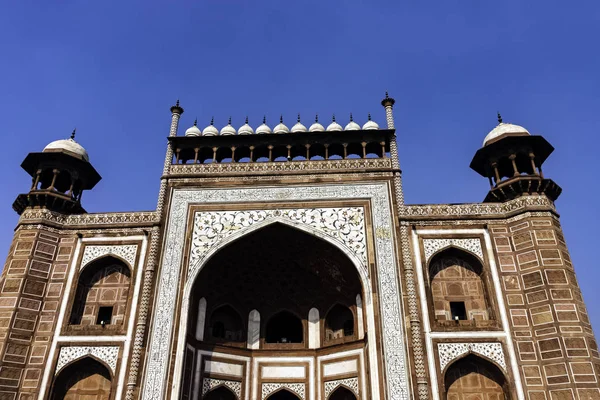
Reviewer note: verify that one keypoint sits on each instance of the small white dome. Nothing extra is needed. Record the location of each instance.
(69, 146)
(228, 129)
(281, 127)
(298, 127)
(264, 128)
(193, 130)
(246, 129)
(316, 127)
(210, 130)
(352, 126)
(334, 126)
(504, 129)
(370, 125)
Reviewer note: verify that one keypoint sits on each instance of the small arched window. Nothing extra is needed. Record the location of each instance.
(474, 377)
(85, 378)
(339, 323)
(284, 327)
(226, 325)
(102, 294)
(458, 288)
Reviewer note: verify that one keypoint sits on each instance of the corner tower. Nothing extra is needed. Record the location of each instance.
(60, 173)
(511, 158)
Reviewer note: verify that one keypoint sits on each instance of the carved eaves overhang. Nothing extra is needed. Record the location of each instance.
(293, 153)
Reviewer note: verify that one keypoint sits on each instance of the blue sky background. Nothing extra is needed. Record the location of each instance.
(113, 69)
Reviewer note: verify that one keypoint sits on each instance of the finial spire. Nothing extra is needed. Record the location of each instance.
(298, 117)
(281, 119)
(351, 120)
(499, 118)
(177, 103)
(73, 134)
(316, 117)
(246, 120)
(229, 122)
(333, 118)
(212, 120)
(264, 119)
(386, 95)
(196, 122)
(177, 109)
(369, 117)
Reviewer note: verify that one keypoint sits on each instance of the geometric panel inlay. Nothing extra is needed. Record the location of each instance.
(209, 384)
(350, 383)
(268, 388)
(108, 354)
(127, 252)
(345, 225)
(451, 351)
(433, 245)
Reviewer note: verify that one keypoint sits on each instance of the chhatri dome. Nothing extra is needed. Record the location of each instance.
(316, 127)
(211, 130)
(334, 126)
(281, 127)
(193, 130)
(246, 129)
(228, 129)
(352, 126)
(504, 130)
(298, 127)
(69, 146)
(264, 128)
(370, 125)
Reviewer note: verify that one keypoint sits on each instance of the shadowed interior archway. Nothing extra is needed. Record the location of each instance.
(283, 394)
(220, 393)
(474, 377)
(85, 379)
(342, 393)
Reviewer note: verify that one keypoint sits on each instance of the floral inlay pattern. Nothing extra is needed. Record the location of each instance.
(451, 351)
(345, 225)
(350, 383)
(268, 388)
(127, 252)
(209, 384)
(108, 354)
(433, 245)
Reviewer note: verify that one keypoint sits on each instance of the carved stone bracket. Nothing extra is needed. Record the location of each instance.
(433, 245)
(448, 352)
(298, 388)
(345, 225)
(108, 354)
(126, 252)
(350, 383)
(209, 384)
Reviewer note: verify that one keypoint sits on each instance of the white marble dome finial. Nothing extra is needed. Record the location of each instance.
(193, 130)
(316, 127)
(264, 128)
(334, 126)
(211, 130)
(281, 127)
(298, 127)
(228, 130)
(69, 146)
(504, 130)
(370, 125)
(246, 129)
(352, 126)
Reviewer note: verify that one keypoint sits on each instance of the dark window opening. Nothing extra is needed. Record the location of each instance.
(339, 323)
(349, 328)
(218, 330)
(458, 310)
(284, 328)
(104, 315)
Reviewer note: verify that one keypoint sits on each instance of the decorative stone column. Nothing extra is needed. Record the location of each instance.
(154, 248)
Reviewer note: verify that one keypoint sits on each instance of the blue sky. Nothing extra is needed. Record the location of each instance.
(113, 69)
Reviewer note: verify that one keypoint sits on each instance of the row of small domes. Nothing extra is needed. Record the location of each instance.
(246, 129)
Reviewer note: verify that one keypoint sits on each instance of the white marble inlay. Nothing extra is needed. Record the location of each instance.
(126, 252)
(283, 372)
(449, 352)
(341, 367)
(218, 367)
(431, 246)
(68, 354)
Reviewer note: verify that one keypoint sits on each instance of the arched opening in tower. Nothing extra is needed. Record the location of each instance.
(474, 377)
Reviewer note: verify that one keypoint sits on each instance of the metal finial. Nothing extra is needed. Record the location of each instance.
(298, 117)
(386, 95)
(212, 121)
(229, 123)
(177, 103)
(281, 119)
(196, 122)
(316, 117)
(499, 118)
(351, 120)
(264, 119)
(246, 120)
(73, 133)
(369, 116)
(333, 118)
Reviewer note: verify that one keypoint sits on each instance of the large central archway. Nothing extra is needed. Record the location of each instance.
(258, 291)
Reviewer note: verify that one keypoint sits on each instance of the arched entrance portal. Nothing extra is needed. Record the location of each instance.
(283, 395)
(473, 377)
(84, 379)
(220, 393)
(271, 279)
